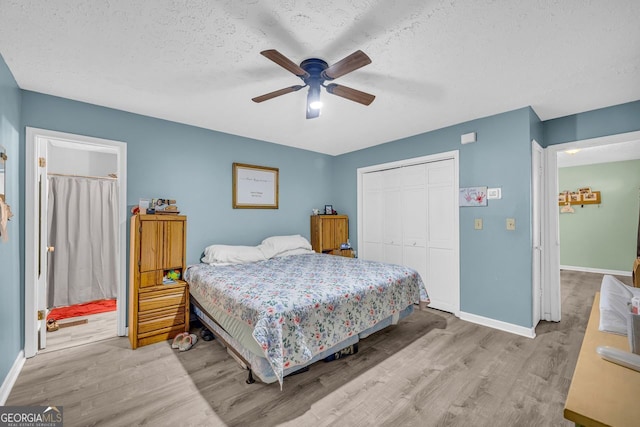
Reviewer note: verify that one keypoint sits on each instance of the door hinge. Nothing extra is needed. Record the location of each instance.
(40, 314)
(42, 162)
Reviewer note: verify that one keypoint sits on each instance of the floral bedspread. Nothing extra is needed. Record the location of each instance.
(300, 305)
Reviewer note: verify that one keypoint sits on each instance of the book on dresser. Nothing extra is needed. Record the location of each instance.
(158, 308)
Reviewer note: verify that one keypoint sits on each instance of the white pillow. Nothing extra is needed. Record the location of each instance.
(275, 245)
(228, 254)
(614, 308)
(299, 251)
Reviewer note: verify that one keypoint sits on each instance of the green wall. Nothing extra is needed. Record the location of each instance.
(601, 236)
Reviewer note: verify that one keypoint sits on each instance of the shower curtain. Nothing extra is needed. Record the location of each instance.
(83, 224)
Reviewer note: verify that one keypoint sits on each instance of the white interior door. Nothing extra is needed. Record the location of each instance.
(537, 190)
(415, 221)
(442, 269)
(43, 244)
(372, 247)
(414, 218)
(392, 219)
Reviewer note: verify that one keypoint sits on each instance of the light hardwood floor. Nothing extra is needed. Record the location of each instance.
(99, 327)
(432, 369)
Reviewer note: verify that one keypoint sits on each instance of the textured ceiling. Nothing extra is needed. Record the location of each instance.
(435, 63)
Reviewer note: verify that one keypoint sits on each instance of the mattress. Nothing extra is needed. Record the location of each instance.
(291, 309)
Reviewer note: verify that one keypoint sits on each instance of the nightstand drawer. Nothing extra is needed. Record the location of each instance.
(161, 298)
(162, 318)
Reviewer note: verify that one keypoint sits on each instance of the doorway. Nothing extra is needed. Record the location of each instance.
(72, 157)
(551, 296)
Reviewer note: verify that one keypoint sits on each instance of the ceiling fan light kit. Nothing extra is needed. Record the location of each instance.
(314, 72)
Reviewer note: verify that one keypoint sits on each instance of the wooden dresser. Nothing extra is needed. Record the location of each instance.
(157, 311)
(328, 232)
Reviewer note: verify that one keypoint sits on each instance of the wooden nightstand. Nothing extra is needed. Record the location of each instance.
(328, 232)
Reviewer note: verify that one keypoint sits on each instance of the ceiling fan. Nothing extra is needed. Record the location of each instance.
(314, 72)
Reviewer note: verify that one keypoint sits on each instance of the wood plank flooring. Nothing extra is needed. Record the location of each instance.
(432, 369)
(99, 327)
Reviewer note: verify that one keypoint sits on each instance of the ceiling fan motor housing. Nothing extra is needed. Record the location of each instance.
(315, 68)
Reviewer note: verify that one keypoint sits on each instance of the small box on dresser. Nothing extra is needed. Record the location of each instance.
(158, 311)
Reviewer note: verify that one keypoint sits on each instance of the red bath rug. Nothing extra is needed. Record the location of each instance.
(84, 309)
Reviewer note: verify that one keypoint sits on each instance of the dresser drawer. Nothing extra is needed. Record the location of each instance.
(161, 298)
(153, 320)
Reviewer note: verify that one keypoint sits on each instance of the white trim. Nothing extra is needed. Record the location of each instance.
(31, 227)
(497, 324)
(448, 155)
(551, 307)
(11, 378)
(596, 270)
(537, 227)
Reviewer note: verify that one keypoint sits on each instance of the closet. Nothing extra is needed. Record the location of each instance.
(409, 217)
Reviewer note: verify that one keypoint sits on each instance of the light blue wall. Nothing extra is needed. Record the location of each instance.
(193, 166)
(11, 302)
(495, 264)
(593, 124)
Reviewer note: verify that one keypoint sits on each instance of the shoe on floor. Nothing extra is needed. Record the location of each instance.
(188, 342)
(52, 325)
(178, 339)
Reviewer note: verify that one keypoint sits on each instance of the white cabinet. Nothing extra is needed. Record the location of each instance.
(409, 219)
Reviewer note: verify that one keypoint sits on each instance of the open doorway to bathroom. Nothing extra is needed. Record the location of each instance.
(75, 240)
(82, 225)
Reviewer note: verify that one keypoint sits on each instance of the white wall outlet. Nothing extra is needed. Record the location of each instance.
(478, 224)
(511, 224)
(494, 193)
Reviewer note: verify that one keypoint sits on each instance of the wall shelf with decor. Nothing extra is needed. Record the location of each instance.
(584, 196)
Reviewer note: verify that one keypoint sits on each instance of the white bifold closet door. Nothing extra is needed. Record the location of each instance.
(408, 219)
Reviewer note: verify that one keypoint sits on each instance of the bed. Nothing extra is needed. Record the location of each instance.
(285, 310)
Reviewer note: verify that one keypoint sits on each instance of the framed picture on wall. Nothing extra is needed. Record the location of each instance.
(254, 187)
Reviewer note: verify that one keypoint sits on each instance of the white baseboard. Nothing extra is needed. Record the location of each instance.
(11, 378)
(596, 270)
(497, 324)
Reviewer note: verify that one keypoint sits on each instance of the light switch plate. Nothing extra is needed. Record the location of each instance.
(511, 224)
(494, 193)
(478, 224)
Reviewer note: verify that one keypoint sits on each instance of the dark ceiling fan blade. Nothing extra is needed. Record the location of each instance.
(352, 62)
(270, 95)
(284, 62)
(350, 94)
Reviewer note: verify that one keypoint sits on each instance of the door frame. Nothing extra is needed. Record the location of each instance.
(33, 138)
(448, 155)
(551, 298)
(537, 227)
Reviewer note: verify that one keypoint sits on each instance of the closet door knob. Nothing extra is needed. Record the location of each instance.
(50, 248)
